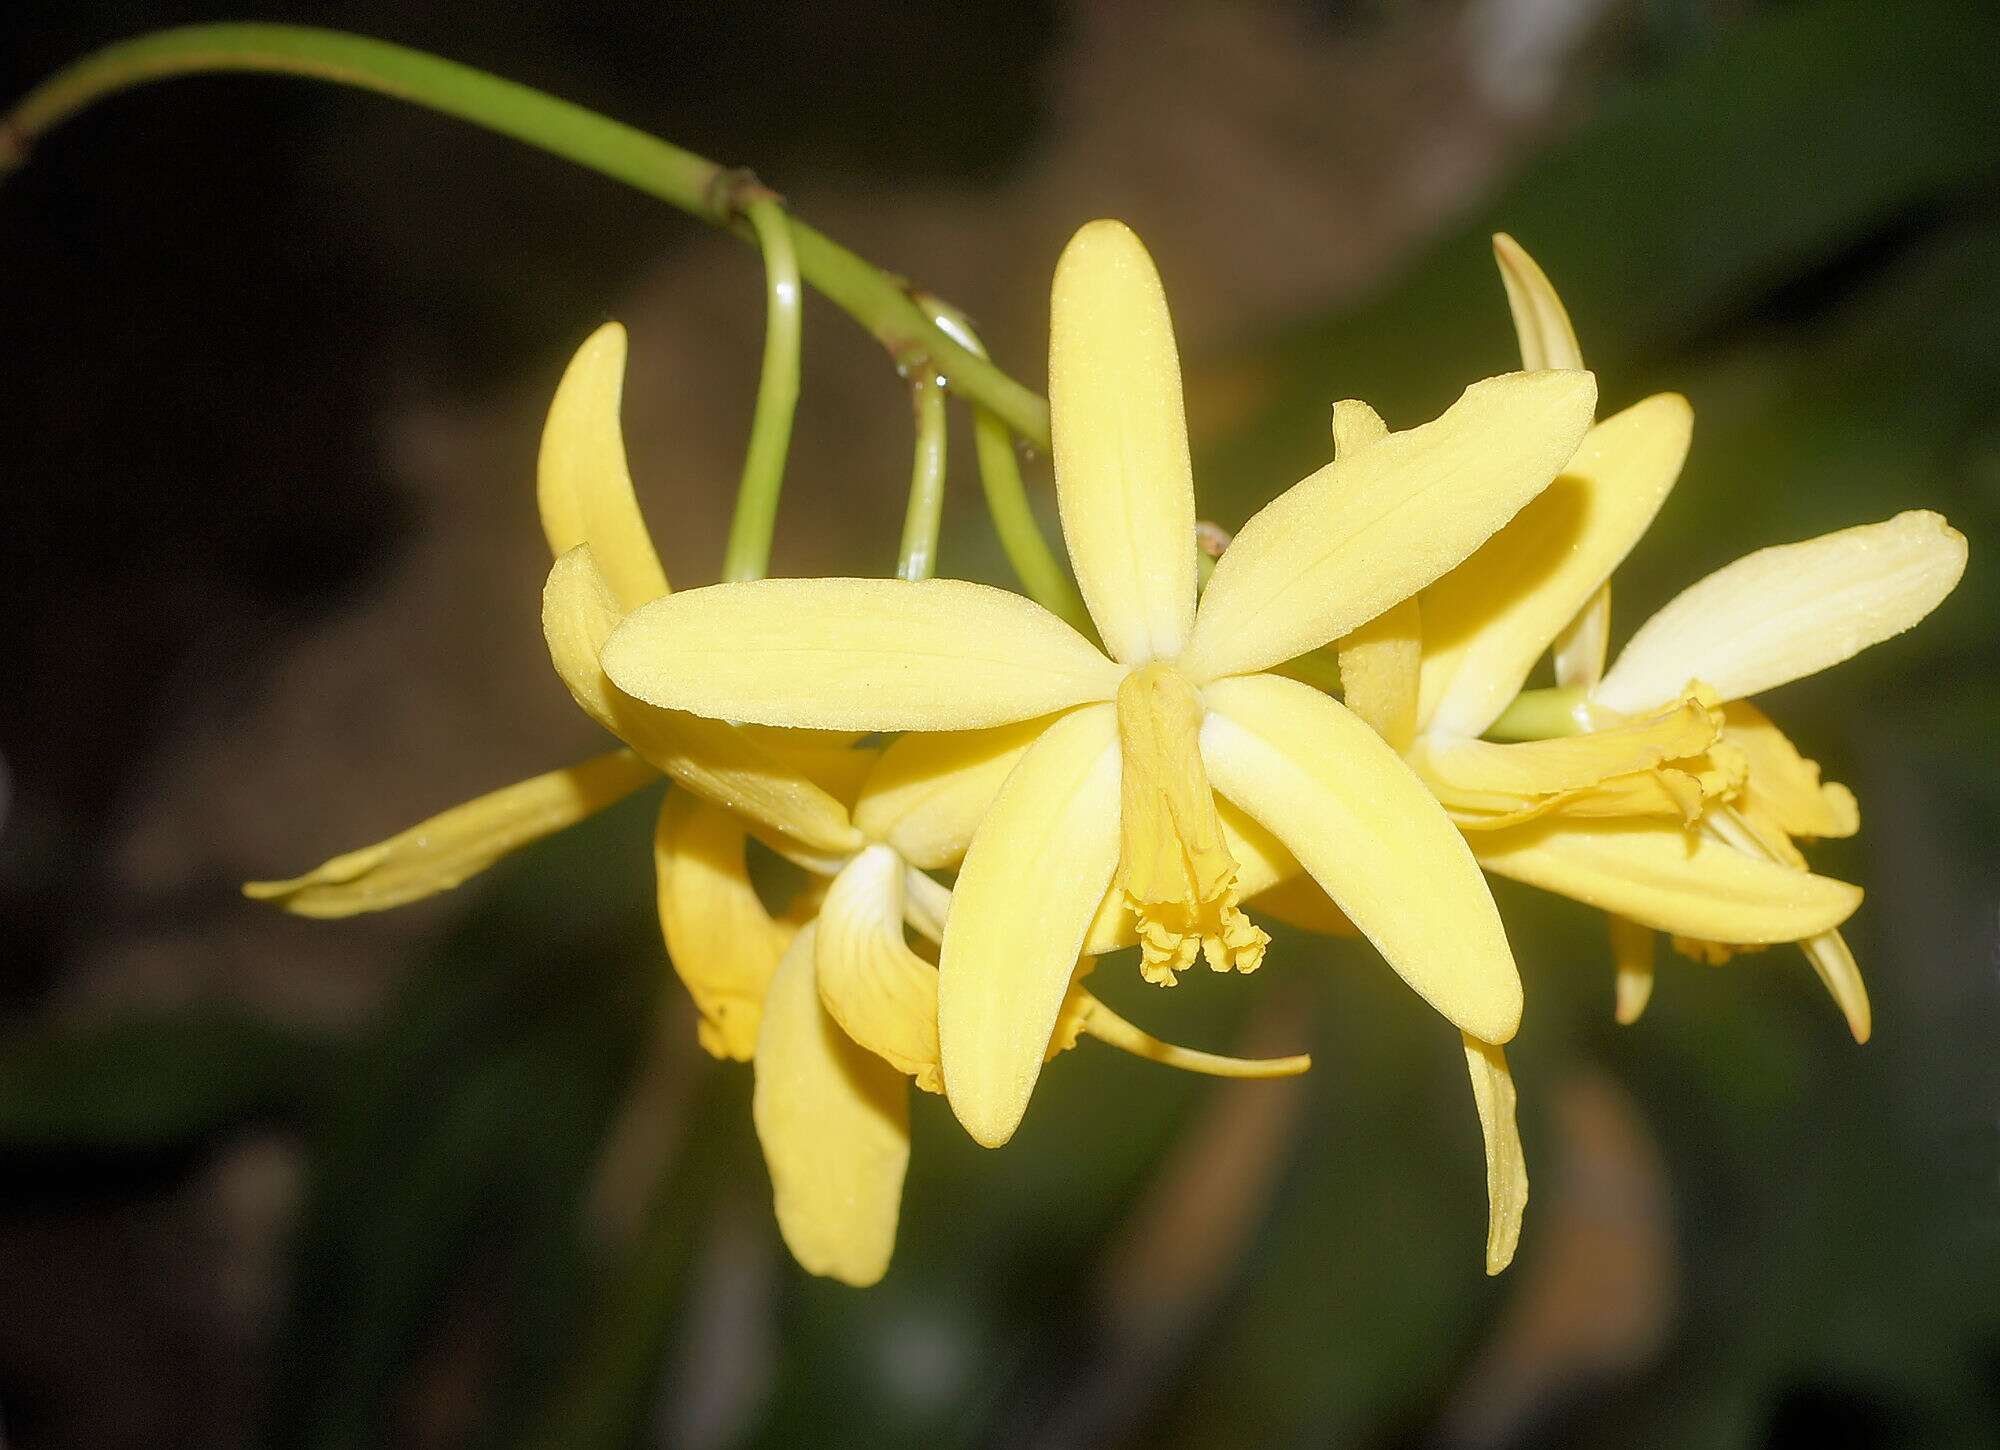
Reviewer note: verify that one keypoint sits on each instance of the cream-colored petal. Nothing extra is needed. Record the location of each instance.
(857, 654)
(582, 483)
(1783, 784)
(1632, 954)
(1541, 322)
(1488, 621)
(1378, 524)
(1123, 481)
(713, 759)
(1356, 425)
(722, 942)
(1032, 881)
(1671, 879)
(1380, 670)
(1788, 611)
(1834, 962)
(1085, 1013)
(1361, 822)
(437, 854)
(881, 993)
(834, 1120)
(930, 789)
(1506, 1164)
(1581, 647)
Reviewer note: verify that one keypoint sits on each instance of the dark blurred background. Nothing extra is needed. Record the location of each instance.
(458, 1176)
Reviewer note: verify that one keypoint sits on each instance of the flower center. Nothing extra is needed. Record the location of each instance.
(1176, 869)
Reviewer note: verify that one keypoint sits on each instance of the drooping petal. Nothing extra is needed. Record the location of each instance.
(1834, 962)
(437, 854)
(713, 759)
(1033, 879)
(1506, 1164)
(1123, 481)
(1541, 322)
(1380, 667)
(1084, 1013)
(1783, 784)
(1489, 620)
(881, 993)
(723, 944)
(857, 654)
(834, 1120)
(1789, 611)
(1632, 954)
(582, 482)
(1670, 879)
(930, 789)
(1361, 822)
(1379, 523)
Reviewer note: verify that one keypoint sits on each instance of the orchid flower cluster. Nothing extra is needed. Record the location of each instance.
(984, 800)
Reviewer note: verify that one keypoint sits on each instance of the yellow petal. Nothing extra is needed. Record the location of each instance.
(1580, 649)
(1361, 822)
(1670, 879)
(1834, 962)
(1123, 481)
(1540, 767)
(1489, 620)
(1378, 524)
(582, 483)
(881, 993)
(1032, 881)
(437, 854)
(1788, 611)
(722, 942)
(1356, 425)
(857, 654)
(1783, 784)
(1506, 1165)
(930, 789)
(712, 759)
(1380, 666)
(1089, 1015)
(834, 1121)
(1632, 953)
(1541, 322)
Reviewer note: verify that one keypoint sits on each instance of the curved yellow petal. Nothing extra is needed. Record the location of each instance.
(721, 941)
(834, 1120)
(1541, 322)
(1488, 621)
(1506, 1165)
(1671, 879)
(1834, 963)
(1378, 524)
(1032, 881)
(1123, 481)
(1084, 1013)
(1361, 822)
(713, 759)
(1788, 611)
(437, 854)
(1380, 670)
(1632, 953)
(1456, 768)
(1783, 785)
(582, 483)
(930, 789)
(857, 654)
(882, 994)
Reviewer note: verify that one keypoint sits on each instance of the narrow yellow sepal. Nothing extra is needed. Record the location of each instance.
(1633, 950)
(1541, 322)
(1506, 1164)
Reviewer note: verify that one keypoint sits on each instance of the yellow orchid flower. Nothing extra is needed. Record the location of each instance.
(830, 1001)
(1675, 806)
(1132, 745)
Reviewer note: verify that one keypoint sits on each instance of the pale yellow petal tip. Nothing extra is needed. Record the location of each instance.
(989, 1121)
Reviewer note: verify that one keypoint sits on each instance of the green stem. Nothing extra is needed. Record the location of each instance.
(749, 549)
(865, 292)
(1021, 538)
(918, 557)
(1541, 715)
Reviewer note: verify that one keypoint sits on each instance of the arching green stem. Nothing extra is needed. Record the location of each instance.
(918, 557)
(749, 550)
(1541, 715)
(874, 298)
